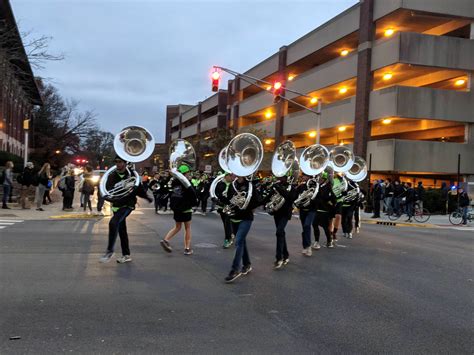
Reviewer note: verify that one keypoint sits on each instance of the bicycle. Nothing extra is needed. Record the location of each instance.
(455, 217)
(420, 215)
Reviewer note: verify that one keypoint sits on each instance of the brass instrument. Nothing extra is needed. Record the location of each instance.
(284, 160)
(313, 161)
(244, 154)
(181, 152)
(223, 165)
(133, 144)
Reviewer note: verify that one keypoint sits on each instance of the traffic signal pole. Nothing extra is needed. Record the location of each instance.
(256, 82)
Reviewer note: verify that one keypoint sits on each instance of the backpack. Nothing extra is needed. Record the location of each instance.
(62, 184)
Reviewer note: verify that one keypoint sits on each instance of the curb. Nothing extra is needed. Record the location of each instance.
(400, 224)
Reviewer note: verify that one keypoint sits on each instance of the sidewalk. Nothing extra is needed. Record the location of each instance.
(54, 210)
(433, 222)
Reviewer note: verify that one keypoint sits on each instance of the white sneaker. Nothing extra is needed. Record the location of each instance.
(106, 257)
(309, 252)
(349, 235)
(357, 230)
(316, 246)
(303, 251)
(124, 259)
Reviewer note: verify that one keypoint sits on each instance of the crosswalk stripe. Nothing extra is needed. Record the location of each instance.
(2, 227)
(6, 224)
(11, 220)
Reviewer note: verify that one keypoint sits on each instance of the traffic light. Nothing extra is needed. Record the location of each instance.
(277, 90)
(216, 76)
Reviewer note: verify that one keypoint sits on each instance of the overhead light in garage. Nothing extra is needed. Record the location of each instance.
(343, 90)
(388, 32)
(387, 121)
(268, 141)
(344, 52)
(291, 77)
(460, 82)
(268, 114)
(314, 100)
(342, 128)
(387, 76)
(312, 134)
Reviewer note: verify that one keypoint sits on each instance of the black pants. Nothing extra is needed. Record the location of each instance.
(46, 197)
(68, 196)
(204, 203)
(357, 216)
(281, 248)
(376, 207)
(227, 225)
(157, 198)
(347, 215)
(323, 220)
(164, 201)
(100, 202)
(117, 225)
(87, 201)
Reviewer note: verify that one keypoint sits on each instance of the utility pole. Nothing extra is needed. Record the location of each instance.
(26, 128)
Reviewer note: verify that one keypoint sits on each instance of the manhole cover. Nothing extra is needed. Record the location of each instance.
(205, 245)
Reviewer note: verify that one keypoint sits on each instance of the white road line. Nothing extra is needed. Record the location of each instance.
(11, 220)
(6, 224)
(2, 227)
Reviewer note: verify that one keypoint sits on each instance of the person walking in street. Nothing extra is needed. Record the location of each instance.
(281, 218)
(205, 186)
(155, 187)
(221, 192)
(306, 217)
(444, 197)
(7, 181)
(339, 187)
(325, 203)
(182, 199)
(241, 222)
(26, 180)
(464, 202)
(44, 175)
(121, 209)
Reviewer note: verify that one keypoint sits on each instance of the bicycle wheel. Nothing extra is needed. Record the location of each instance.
(455, 218)
(422, 216)
(394, 216)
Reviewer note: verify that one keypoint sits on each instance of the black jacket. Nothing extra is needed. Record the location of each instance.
(220, 189)
(286, 211)
(325, 199)
(131, 199)
(464, 199)
(27, 177)
(182, 199)
(255, 201)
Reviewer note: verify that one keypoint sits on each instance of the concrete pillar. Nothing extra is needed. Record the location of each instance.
(364, 78)
(222, 109)
(281, 108)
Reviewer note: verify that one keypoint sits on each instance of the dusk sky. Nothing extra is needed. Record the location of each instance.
(127, 60)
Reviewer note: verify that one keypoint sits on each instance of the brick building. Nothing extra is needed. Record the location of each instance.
(18, 90)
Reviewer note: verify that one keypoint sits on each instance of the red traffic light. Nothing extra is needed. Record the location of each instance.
(216, 76)
(277, 90)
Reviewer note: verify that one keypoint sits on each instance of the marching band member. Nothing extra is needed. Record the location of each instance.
(182, 200)
(306, 217)
(121, 209)
(325, 203)
(338, 190)
(221, 191)
(349, 203)
(155, 186)
(281, 218)
(241, 223)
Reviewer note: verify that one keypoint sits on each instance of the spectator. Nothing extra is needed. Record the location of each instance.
(397, 196)
(464, 202)
(388, 197)
(87, 188)
(26, 180)
(7, 181)
(68, 189)
(420, 195)
(410, 199)
(145, 181)
(43, 177)
(444, 196)
(376, 196)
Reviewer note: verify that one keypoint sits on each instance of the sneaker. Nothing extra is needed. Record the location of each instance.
(330, 245)
(106, 257)
(38, 209)
(188, 251)
(334, 238)
(278, 264)
(349, 235)
(408, 220)
(316, 246)
(309, 252)
(345, 235)
(233, 275)
(124, 259)
(166, 246)
(357, 230)
(246, 269)
(227, 244)
(286, 261)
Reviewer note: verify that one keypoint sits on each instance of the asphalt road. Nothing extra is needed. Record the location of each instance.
(388, 290)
